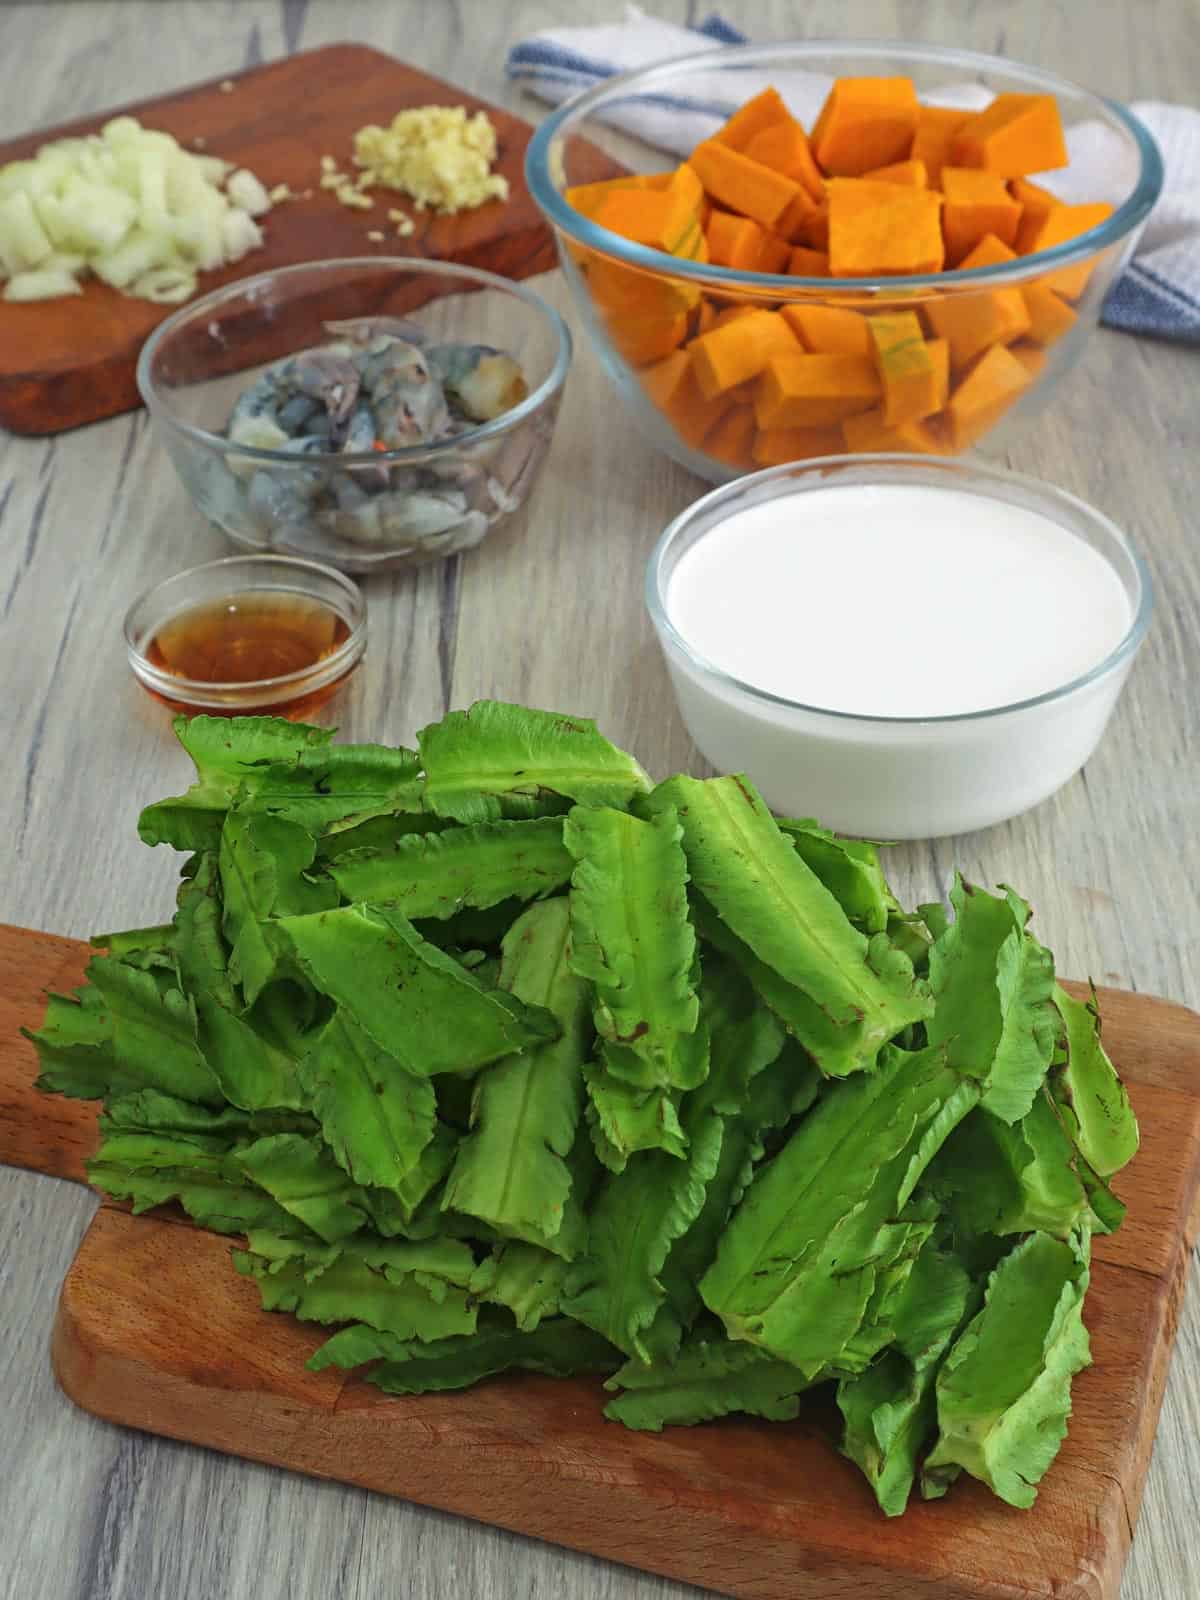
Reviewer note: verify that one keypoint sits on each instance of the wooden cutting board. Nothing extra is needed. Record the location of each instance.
(65, 362)
(155, 1331)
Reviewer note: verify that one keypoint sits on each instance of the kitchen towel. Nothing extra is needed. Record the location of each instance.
(1158, 293)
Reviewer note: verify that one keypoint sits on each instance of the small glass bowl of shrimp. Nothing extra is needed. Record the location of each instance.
(372, 414)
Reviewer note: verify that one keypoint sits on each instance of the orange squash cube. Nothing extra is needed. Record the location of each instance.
(664, 380)
(589, 197)
(773, 447)
(869, 431)
(773, 255)
(731, 440)
(829, 330)
(807, 391)
(907, 368)
(690, 411)
(644, 339)
(977, 203)
(739, 349)
(732, 313)
(1049, 315)
(989, 252)
(1030, 356)
(1065, 222)
(741, 185)
(882, 229)
(813, 231)
(939, 354)
(912, 173)
(972, 323)
(749, 120)
(936, 127)
(1016, 135)
(803, 217)
(743, 395)
(783, 146)
(806, 263)
(865, 123)
(685, 181)
(663, 220)
(996, 382)
(617, 288)
(1036, 205)
(735, 241)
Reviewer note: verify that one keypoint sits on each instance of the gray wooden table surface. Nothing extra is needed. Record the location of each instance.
(551, 614)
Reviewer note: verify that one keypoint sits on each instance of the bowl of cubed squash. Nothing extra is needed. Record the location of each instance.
(849, 248)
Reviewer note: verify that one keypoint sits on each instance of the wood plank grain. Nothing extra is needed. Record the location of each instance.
(46, 1133)
(66, 362)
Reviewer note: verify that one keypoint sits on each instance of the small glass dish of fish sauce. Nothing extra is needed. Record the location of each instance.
(260, 635)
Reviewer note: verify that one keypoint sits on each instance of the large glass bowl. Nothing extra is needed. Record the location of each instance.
(896, 777)
(642, 306)
(375, 510)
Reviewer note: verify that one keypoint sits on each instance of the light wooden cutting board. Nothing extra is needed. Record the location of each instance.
(156, 1331)
(68, 361)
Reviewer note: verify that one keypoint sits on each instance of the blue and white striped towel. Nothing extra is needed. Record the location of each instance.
(1159, 293)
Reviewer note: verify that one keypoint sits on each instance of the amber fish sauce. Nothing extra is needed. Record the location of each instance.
(249, 639)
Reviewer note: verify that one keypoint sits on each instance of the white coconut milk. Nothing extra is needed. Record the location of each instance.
(897, 600)
(861, 604)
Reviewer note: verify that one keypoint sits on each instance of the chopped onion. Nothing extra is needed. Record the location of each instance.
(128, 205)
(245, 191)
(166, 286)
(239, 235)
(47, 284)
(137, 253)
(23, 241)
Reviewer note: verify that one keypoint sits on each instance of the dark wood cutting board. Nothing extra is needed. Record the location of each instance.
(155, 1331)
(70, 361)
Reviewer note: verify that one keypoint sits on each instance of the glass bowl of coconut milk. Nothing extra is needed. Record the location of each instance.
(901, 647)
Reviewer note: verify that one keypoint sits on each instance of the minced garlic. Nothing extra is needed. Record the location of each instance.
(354, 198)
(436, 154)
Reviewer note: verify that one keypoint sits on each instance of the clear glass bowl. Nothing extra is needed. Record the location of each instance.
(890, 777)
(375, 510)
(283, 591)
(641, 306)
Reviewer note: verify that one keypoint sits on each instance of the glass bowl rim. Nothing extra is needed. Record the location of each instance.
(154, 396)
(583, 231)
(347, 654)
(1048, 493)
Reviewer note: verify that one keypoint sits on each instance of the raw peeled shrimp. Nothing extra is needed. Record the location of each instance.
(286, 498)
(485, 382)
(406, 399)
(421, 514)
(326, 378)
(299, 393)
(376, 388)
(255, 418)
(360, 435)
